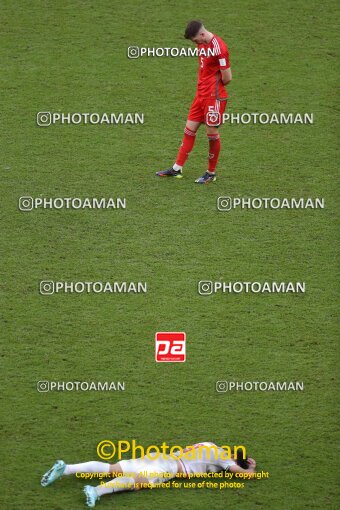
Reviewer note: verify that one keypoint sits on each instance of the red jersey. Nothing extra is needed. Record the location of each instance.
(212, 58)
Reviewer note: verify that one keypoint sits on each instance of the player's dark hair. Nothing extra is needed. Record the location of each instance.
(240, 460)
(192, 28)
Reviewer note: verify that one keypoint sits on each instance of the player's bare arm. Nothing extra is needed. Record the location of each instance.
(238, 469)
(226, 76)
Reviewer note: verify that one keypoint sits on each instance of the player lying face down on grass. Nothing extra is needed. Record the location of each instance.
(152, 470)
(210, 101)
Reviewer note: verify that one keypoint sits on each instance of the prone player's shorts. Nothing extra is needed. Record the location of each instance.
(207, 110)
(155, 470)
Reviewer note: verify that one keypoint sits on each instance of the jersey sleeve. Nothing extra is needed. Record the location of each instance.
(223, 57)
(224, 463)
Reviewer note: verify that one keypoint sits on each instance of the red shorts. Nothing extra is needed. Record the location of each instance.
(207, 110)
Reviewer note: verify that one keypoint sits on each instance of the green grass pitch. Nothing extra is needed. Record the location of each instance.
(71, 56)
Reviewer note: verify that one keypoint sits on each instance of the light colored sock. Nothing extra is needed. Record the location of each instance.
(123, 483)
(87, 467)
(177, 167)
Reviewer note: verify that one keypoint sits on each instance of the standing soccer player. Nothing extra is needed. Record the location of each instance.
(210, 101)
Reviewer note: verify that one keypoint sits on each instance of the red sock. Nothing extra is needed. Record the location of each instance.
(214, 150)
(186, 147)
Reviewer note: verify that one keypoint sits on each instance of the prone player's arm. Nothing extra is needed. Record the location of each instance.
(226, 76)
(238, 469)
